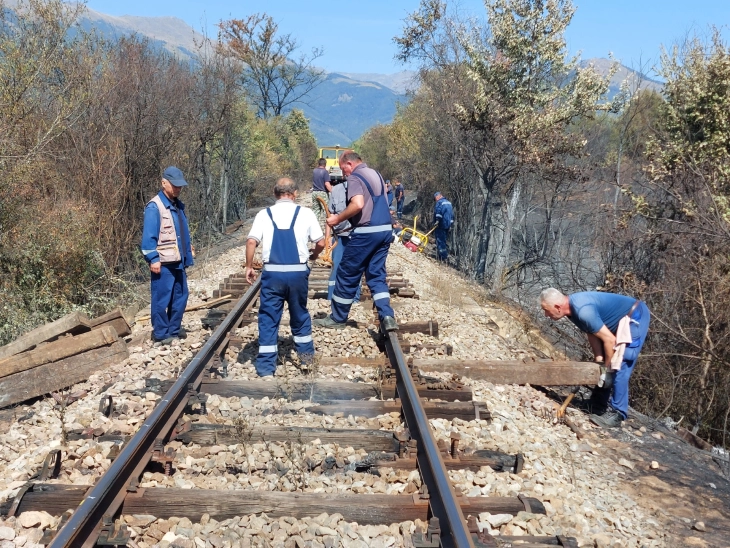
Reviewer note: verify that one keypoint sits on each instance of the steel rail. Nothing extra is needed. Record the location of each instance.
(442, 501)
(108, 493)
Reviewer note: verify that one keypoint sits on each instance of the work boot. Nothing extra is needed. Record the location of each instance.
(610, 419)
(328, 323)
(388, 323)
(163, 342)
(182, 334)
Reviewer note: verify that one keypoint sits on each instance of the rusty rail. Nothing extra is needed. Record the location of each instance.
(103, 501)
(454, 531)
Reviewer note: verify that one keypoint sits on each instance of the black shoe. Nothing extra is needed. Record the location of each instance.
(163, 342)
(328, 323)
(388, 323)
(182, 334)
(610, 419)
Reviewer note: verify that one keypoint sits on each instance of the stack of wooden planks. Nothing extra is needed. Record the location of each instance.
(59, 354)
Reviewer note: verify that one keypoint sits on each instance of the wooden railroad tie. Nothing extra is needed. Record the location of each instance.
(368, 509)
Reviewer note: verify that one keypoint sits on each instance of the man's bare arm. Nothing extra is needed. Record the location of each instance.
(250, 250)
(318, 247)
(609, 341)
(596, 346)
(355, 206)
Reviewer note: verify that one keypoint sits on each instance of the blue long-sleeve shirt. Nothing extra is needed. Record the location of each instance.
(443, 214)
(151, 232)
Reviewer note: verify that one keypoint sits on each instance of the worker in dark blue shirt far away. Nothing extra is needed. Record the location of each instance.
(443, 219)
(167, 249)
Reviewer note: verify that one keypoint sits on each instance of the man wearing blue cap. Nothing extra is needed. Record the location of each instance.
(166, 248)
(443, 218)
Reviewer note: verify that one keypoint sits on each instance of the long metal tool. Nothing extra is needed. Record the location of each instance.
(454, 530)
(106, 497)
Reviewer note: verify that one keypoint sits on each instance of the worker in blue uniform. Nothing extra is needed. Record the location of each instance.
(372, 234)
(443, 218)
(341, 232)
(284, 230)
(167, 249)
(400, 198)
(617, 327)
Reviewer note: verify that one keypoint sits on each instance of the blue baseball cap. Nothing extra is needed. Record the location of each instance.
(437, 194)
(175, 176)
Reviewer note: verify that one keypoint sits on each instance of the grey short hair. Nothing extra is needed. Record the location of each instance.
(285, 186)
(350, 156)
(551, 296)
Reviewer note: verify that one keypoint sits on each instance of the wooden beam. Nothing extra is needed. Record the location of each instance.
(317, 390)
(538, 373)
(368, 509)
(73, 323)
(58, 375)
(199, 306)
(217, 434)
(57, 350)
(370, 409)
(116, 319)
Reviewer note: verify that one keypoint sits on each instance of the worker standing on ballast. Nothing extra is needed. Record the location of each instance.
(167, 249)
(372, 234)
(443, 219)
(284, 231)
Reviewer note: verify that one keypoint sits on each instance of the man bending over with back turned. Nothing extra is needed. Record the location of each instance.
(616, 326)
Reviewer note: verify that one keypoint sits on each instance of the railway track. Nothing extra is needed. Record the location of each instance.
(410, 455)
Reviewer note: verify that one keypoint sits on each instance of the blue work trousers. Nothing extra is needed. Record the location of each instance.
(276, 289)
(365, 253)
(399, 204)
(442, 250)
(169, 292)
(337, 252)
(619, 395)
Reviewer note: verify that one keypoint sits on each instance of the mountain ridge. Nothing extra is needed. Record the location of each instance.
(345, 104)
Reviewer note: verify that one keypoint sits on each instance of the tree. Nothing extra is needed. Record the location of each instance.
(680, 220)
(514, 93)
(273, 77)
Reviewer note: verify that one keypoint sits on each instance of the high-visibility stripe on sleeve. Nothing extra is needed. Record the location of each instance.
(331, 283)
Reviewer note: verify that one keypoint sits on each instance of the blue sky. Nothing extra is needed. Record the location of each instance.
(357, 36)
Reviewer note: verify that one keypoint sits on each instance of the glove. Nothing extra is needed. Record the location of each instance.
(606, 379)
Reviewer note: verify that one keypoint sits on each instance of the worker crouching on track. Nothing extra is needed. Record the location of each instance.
(166, 248)
(372, 234)
(616, 326)
(284, 230)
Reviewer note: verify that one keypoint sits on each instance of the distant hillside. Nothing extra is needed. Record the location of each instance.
(169, 33)
(341, 109)
(624, 73)
(400, 82)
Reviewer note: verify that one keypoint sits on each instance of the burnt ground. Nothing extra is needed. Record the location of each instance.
(690, 485)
